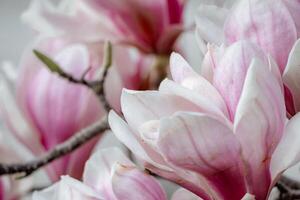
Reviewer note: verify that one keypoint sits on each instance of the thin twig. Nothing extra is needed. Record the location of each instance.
(60, 150)
(96, 86)
(78, 138)
(100, 92)
(288, 189)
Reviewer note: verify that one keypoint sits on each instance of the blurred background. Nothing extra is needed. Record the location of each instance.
(14, 35)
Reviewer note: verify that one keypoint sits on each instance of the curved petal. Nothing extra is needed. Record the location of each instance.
(183, 74)
(266, 23)
(180, 69)
(248, 197)
(133, 141)
(259, 123)
(142, 106)
(193, 142)
(211, 61)
(67, 20)
(291, 75)
(183, 194)
(11, 113)
(46, 97)
(207, 105)
(294, 7)
(144, 186)
(231, 72)
(287, 153)
(139, 22)
(67, 189)
(99, 168)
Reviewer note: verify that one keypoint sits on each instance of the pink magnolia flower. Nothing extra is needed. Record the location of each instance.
(152, 26)
(218, 148)
(253, 20)
(108, 175)
(46, 109)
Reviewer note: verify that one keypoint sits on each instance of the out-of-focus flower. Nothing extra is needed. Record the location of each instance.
(46, 110)
(188, 133)
(152, 26)
(108, 175)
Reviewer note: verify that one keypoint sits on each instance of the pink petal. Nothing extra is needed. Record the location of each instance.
(259, 123)
(231, 72)
(294, 7)
(142, 186)
(47, 104)
(133, 141)
(205, 104)
(180, 69)
(98, 170)
(182, 194)
(175, 9)
(142, 106)
(211, 61)
(291, 76)
(192, 141)
(183, 74)
(248, 197)
(266, 23)
(15, 120)
(138, 22)
(287, 153)
(66, 19)
(67, 189)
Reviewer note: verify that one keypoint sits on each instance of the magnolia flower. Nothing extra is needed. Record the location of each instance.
(217, 148)
(46, 109)
(253, 20)
(152, 26)
(108, 175)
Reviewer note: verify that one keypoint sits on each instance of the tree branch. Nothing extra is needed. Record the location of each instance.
(60, 150)
(288, 188)
(78, 138)
(96, 86)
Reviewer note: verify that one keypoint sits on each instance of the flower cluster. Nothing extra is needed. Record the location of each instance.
(226, 129)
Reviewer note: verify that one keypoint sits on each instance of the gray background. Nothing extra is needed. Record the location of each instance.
(14, 35)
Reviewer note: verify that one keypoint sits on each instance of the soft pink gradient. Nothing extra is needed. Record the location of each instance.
(183, 131)
(152, 26)
(108, 175)
(272, 25)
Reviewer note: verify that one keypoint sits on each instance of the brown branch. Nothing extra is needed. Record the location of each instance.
(99, 88)
(96, 86)
(60, 150)
(288, 188)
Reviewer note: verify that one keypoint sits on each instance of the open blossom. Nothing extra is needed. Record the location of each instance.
(46, 109)
(218, 148)
(273, 25)
(108, 175)
(152, 26)
(254, 21)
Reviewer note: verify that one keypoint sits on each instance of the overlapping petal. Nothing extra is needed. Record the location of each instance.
(259, 124)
